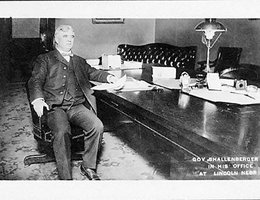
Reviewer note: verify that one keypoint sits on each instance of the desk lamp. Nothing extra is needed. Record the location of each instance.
(209, 27)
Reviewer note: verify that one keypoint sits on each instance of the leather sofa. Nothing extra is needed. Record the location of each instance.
(160, 54)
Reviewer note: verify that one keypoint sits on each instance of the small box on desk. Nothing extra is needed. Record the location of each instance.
(111, 61)
(132, 65)
(164, 72)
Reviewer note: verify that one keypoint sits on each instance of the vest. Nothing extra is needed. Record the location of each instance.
(73, 93)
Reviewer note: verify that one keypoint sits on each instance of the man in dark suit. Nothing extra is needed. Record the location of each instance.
(60, 83)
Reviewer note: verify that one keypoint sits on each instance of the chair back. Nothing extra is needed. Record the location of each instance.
(239, 73)
(227, 57)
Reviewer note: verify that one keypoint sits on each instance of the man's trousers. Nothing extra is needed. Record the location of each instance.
(59, 120)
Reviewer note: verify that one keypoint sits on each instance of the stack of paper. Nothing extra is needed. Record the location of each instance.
(227, 95)
(132, 65)
(164, 72)
(171, 83)
(111, 61)
(110, 86)
(124, 84)
(132, 84)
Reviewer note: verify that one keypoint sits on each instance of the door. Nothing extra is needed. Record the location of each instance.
(26, 38)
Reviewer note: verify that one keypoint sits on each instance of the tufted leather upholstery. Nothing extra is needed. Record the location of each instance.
(160, 54)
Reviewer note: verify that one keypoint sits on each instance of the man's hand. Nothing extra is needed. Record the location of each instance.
(38, 106)
(112, 79)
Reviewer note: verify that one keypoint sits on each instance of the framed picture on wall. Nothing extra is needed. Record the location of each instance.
(108, 20)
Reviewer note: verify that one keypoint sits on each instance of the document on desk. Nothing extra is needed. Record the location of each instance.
(132, 84)
(227, 96)
(110, 86)
(170, 83)
(124, 84)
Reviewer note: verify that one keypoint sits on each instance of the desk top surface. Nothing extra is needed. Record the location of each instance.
(224, 129)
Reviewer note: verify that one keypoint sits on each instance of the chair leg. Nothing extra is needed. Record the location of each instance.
(45, 158)
(37, 159)
(49, 156)
(46, 153)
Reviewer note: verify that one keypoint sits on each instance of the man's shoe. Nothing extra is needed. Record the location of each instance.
(89, 173)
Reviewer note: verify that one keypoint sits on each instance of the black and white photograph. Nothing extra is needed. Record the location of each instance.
(129, 99)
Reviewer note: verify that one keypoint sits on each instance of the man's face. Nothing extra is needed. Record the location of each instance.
(65, 40)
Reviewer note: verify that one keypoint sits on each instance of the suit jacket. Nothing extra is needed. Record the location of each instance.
(48, 78)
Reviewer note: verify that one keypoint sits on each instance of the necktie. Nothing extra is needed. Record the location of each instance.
(67, 54)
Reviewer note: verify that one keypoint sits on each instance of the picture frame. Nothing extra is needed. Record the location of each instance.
(108, 20)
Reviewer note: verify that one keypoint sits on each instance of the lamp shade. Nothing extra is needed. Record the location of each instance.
(210, 25)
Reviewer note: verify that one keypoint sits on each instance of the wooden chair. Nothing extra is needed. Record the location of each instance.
(239, 73)
(44, 137)
(227, 57)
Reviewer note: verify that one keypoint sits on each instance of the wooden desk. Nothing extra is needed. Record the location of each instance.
(197, 127)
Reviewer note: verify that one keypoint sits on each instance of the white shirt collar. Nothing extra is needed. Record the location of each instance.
(61, 52)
